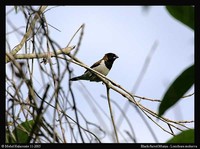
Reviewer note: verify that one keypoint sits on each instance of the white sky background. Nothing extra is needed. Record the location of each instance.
(129, 32)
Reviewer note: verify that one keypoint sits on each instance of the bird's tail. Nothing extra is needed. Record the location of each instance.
(85, 76)
(75, 79)
(78, 78)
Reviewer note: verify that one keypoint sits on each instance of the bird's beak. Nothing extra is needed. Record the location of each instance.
(116, 56)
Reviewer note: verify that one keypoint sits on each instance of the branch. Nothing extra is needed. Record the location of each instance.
(65, 50)
(111, 115)
(28, 33)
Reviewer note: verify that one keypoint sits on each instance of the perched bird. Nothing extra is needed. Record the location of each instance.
(103, 66)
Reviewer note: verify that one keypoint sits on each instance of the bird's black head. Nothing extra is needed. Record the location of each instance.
(109, 59)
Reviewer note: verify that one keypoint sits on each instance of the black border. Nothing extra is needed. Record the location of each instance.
(2, 78)
(197, 54)
(104, 3)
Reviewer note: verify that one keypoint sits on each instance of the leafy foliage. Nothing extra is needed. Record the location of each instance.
(182, 83)
(186, 136)
(178, 88)
(21, 133)
(185, 14)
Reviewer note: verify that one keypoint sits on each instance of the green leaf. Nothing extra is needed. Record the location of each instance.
(186, 136)
(178, 88)
(23, 131)
(185, 14)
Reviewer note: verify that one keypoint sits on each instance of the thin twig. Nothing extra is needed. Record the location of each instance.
(111, 115)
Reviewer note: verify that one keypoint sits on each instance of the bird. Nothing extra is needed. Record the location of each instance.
(103, 66)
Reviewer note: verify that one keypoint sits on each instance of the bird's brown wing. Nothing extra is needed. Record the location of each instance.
(95, 64)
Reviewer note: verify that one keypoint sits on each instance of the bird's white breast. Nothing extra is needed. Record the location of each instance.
(102, 68)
